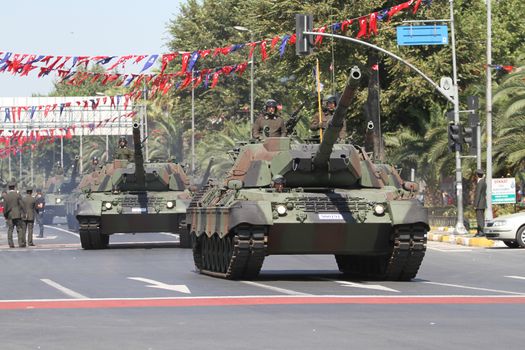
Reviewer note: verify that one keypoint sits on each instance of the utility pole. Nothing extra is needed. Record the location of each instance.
(488, 212)
(460, 227)
(192, 130)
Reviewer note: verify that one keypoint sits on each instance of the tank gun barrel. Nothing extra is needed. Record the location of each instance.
(207, 173)
(139, 157)
(334, 127)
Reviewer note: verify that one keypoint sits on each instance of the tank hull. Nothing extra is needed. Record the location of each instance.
(102, 214)
(346, 223)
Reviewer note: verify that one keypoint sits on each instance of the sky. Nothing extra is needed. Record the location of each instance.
(80, 28)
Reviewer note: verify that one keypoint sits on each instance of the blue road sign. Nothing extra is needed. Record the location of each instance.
(422, 35)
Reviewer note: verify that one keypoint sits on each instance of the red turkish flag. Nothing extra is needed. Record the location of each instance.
(362, 27)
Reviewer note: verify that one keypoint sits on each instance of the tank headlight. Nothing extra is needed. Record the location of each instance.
(281, 209)
(108, 205)
(58, 200)
(170, 205)
(379, 209)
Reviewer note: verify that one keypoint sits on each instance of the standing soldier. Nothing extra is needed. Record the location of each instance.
(29, 221)
(40, 205)
(269, 123)
(480, 202)
(123, 152)
(330, 103)
(14, 213)
(58, 170)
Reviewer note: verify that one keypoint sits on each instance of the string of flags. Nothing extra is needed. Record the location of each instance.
(15, 141)
(23, 64)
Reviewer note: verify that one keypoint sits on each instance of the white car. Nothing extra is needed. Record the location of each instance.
(508, 228)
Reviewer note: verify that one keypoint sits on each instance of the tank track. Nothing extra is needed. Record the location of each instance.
(409, 246)
(90, 235)
(238, 255)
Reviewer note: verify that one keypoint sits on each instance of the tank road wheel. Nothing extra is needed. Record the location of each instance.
(238, 255)
(402, 264)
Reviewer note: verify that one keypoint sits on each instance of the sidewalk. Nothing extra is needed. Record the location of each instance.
(446, 234)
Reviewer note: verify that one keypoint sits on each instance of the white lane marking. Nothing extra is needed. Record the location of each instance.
(275, 289)
(516, 277)
(63, 289)
(182, 288)
(362, 285)
(43, 238)
(473, 288)
(63, 230)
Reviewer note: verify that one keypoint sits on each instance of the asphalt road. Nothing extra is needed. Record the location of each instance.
(143, 293)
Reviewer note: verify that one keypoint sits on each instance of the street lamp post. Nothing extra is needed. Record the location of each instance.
(244, 29)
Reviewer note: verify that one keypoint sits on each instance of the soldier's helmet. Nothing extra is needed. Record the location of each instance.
(330, 99)
(122, 139)
(270, 103)
(278, 179)
(94, 159)
(29, 190)
(11, 184)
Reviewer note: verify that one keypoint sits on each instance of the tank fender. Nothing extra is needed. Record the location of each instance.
(90, 208)
(407, 212)
(254, 213)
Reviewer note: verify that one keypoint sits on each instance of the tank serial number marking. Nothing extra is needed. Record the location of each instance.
(330, 217)
(139, 210)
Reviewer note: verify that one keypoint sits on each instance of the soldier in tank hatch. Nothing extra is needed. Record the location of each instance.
(329, 105)
(123, 152)
(269, 123)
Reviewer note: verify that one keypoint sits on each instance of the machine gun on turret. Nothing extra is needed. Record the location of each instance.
(331, 133)
(294, 119)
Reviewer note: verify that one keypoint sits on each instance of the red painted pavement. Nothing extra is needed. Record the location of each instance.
(259, 300)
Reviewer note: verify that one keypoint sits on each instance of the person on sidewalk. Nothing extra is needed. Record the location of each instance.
(29, 220)
(480, 202)
(40, 205)
(14, 212)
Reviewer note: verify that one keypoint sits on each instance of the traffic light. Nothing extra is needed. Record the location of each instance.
(467, 135)
(473, 120)
(454, 137)
(303, 44)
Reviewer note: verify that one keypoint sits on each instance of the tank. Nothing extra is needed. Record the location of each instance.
(301, 198)
(133, 197)
(57, 190)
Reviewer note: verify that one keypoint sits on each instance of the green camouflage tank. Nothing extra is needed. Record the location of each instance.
(133, 197)
(328, 198)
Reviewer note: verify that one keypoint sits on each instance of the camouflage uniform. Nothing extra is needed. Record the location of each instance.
(327, 117)
(273, 122)
(124, 153)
